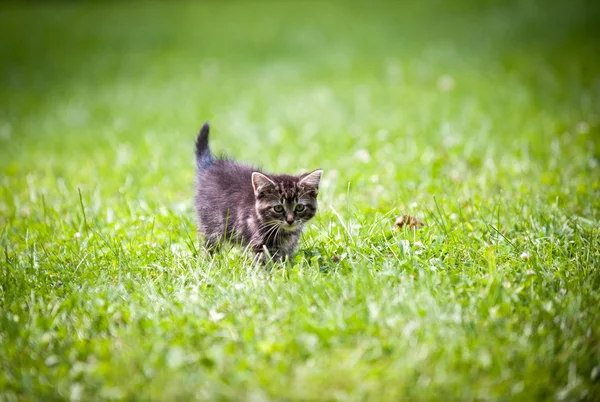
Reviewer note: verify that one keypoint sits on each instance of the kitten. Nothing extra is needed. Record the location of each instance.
(264, 212)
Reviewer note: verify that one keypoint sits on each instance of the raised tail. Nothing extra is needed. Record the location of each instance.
(204, 157)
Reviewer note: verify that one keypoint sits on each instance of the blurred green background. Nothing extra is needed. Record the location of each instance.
(479, 117)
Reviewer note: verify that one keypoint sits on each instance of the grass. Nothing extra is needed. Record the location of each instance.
(480, 118)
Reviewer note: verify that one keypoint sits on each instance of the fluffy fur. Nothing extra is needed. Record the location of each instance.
(243, 204)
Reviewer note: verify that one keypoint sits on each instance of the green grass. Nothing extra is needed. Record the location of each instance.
(480, 118)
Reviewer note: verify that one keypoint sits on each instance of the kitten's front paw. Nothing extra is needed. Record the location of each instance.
(268, 258)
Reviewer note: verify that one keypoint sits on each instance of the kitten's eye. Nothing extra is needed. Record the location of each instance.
(299, 207)
(278, 208)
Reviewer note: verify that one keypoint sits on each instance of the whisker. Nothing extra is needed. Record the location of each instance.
(268, 228)
(273, 231)
(268, 225)
(264, 225)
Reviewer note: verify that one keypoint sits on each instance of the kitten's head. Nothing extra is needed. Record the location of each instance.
(286, 201)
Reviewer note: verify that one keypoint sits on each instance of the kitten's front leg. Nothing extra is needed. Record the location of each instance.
(287, 248)
(260, 252)
(267, 256)
(263, 259)
(212, 244)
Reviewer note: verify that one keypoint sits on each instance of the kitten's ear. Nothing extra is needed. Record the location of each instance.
(260, 182)
(312, 179)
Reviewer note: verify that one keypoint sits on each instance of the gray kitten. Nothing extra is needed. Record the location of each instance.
(264, 212)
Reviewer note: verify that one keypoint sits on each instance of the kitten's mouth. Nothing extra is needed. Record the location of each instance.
(288, 227)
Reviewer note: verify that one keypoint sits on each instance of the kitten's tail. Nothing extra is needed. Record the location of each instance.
(204, 158)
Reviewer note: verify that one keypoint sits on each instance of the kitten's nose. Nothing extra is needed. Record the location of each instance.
(289, 219)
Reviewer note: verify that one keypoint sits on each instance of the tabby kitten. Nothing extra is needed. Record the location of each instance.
(264, 212)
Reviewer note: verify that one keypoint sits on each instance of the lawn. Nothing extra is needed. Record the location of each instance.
(482, 119)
